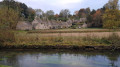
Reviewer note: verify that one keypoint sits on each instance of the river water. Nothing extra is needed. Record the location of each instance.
(55, 58)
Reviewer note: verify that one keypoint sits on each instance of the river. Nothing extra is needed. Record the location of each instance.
(58, 58)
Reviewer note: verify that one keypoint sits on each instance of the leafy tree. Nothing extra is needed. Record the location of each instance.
(31, 13)
(112, 4)
(88, 10)
(92, 12)
(97, 18)
(83, 13)
(21, 8)
(8, 18)
(111, 19)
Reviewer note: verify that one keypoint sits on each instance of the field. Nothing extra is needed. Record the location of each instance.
(70, 33)
(73, 37)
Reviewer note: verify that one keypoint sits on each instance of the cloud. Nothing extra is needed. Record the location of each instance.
(67, 2)
(57, 5)
(63, 4)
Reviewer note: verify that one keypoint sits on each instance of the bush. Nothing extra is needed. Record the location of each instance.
(114, 39)
(59, 39)
(6, 36)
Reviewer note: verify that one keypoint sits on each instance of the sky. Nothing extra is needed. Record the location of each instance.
(58, 5)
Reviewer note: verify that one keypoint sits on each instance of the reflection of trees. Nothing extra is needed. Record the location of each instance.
(113, 57)
(13, 56)
(113, 64)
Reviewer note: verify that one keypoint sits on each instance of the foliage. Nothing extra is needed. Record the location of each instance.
(111, 19)
(114, 39)
(5, 66)
(83, 12)
(8, 18)
(39, 13)
(112, 4)
(6, 36)
(25, 13)
(64, 13)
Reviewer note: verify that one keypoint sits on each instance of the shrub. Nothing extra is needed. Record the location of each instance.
(114, 39)
(59, 39)
(6, 36)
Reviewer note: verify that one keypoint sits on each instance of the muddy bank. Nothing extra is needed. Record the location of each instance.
(72, 47)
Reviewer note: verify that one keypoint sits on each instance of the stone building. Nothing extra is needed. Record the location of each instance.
(24, 25)
(48, 24)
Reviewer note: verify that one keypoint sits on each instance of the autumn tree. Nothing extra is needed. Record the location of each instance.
(112, 4)
(111, 17)
(21, 8)
(8, 18)
(97, 18)
(83, 13)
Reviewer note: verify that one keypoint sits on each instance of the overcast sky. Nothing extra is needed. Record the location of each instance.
(57, 5)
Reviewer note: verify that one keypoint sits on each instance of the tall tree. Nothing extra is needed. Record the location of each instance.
(19, 7)
(65, 13)
(39, 13)
(111, 17)
(50, 14)
(112, 4)
(8, 18)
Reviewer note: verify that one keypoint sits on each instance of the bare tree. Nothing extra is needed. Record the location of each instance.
(65, 13)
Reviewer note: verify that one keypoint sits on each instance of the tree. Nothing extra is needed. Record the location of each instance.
(111, 19)
(50, 14)
(31, 13)
(65, 13)
(93, 12)
(97, 18)
(112, 4)
(84, 12)
(8, 18)
(88, 10)
(39, 13)
(21, 8)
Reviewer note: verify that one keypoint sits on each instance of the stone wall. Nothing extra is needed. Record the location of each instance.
(24, 25)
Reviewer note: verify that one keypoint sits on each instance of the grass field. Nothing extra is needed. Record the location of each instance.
(97, 37)
(73, 30)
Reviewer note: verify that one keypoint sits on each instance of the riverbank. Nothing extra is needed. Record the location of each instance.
(60, 47)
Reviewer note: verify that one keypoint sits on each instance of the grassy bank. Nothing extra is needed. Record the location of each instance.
(73, 30)
(23, 39)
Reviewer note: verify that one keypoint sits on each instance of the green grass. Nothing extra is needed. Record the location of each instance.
(5, 66)
(86, 30)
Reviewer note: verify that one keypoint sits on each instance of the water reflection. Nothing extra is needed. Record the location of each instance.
(53, 58)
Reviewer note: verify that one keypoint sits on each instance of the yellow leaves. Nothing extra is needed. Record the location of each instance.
(111, 18)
